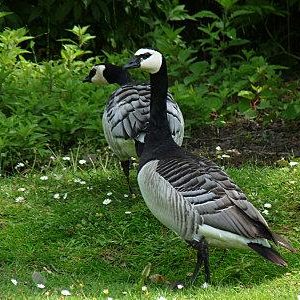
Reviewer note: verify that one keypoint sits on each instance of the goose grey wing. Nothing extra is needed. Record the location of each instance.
(128, 111)
(214, 196)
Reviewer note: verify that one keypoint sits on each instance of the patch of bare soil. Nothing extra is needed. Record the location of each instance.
(247, 142)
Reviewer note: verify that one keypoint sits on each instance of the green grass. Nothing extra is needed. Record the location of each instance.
(82, 245)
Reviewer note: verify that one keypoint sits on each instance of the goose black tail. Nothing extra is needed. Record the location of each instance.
(268, 253)
(283, 242)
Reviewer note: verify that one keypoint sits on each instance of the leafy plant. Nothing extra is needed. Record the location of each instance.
(75, 49)
(220, 33)
(45, 106)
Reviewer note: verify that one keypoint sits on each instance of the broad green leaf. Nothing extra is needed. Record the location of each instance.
(264, 103)
(241, 12)
(199, 67)
(5, 13)
(178, 13)
(237, 42)
(213, 103)
(246, 94)
(205, 14)
(227, 4)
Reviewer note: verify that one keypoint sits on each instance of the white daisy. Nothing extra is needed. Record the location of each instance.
(19, 165)
(19, 199)
(106, 201)
(56, 196)
(65, 293)
(106, 291)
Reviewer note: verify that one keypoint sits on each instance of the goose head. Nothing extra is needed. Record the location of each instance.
(106, 74)
(97, 75)
(145, 59)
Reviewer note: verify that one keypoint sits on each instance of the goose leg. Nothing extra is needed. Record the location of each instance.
(139, 147)
(125, 164)
(197, 266)
(206, 262)
(202, 258)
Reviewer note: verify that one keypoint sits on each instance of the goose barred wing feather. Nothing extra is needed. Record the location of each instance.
(175, 119)
(214, 196)
(128, 110)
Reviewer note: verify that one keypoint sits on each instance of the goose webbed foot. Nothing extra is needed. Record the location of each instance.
(202, 258)
(125, 164)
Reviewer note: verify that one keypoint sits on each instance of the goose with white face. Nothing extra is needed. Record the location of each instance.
(96, 75)
(148, 60)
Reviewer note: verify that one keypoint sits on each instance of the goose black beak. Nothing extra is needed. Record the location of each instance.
(134, 63)
(87, 79)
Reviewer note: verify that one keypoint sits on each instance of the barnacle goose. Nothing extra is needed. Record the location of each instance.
(192, 195)
(126, 114)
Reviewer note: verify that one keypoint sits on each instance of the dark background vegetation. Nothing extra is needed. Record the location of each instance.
(272, 27)
(229, 61)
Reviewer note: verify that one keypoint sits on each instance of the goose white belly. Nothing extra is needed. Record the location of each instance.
(226, 239)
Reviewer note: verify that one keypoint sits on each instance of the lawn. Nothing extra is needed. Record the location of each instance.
(76, 230)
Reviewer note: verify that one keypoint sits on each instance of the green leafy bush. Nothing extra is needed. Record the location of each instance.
(45, 107)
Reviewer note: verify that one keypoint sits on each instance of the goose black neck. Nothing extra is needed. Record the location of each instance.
(159, 143)
(158, 123)
(116, 74)
(123, 78)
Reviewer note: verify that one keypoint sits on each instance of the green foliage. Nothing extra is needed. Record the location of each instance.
(74, 49)
(10, 45)
(45, 105)
(220, 35)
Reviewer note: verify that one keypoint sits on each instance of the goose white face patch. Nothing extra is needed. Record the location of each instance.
(99, 78)
(151, 64)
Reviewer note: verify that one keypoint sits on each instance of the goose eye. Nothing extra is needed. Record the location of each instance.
(145, 55)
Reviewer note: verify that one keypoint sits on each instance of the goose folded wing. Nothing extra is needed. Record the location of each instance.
(174, 116)
(128, 112)
(214, 196)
